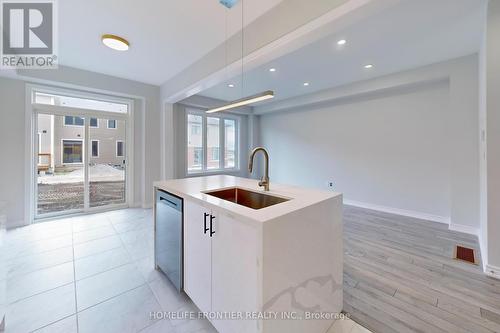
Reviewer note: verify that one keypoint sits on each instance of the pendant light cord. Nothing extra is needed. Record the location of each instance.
(242, 43)
(225, 45)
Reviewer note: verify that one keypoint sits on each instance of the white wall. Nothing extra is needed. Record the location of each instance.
(12, 94)
(12, 121)
(407, 141)
(490, 120)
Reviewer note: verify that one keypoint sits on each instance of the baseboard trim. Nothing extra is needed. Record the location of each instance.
(397, 211)
(147, 205)
(483, 249)
(15, 224)
(492, 271)
(464, 229)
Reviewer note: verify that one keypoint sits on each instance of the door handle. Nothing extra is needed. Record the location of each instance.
(205, 222)
(212, 218)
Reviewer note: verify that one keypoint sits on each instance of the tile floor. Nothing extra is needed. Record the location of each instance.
(95, 274)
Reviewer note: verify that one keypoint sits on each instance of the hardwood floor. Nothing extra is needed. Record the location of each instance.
(400, 276)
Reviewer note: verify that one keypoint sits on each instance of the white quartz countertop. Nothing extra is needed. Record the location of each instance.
(193, 188)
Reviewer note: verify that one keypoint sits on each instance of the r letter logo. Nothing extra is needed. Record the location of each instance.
(28, 39)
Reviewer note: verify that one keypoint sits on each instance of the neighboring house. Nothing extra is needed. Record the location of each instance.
(61, 142)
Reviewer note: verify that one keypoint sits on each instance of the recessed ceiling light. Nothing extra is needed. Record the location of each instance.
(341, 42)
(306, 84)
(230, 85)
(272, 69)
(368, 66)
(115, 42)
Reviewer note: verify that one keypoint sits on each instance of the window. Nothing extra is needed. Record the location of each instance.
(72, 151)
(194, 143)
(81, 103)
(119, 148)
(95, 148)
(73, 121)
(198, 157)
(215, 153)
(212, 142)
(111, 123)
(230, 143)
(196, 129)
(93, 122)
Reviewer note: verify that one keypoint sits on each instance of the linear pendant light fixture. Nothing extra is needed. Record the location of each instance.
(249, 99)
(244, 101)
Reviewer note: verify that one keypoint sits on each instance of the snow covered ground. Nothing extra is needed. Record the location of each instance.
(99, 172)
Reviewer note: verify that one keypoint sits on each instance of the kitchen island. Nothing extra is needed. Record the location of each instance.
(260, 261)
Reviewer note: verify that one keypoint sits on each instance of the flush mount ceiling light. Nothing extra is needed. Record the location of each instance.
(272, 69)
(368, 66)
(244, 101)
(230, 85)
(341, 42)
(115, 42)
(306, 84)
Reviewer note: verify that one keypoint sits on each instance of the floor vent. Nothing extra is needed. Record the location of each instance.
(465, 254)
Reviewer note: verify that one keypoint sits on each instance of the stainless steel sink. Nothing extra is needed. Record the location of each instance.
(247, 198)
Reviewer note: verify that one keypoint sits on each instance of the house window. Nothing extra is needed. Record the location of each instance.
(111, 123)
(93, 122)
(194, 142)
(72, 151)
(73, 121)
(212, 142)
(215, 154)
(230, 143)
(196, 129)
(198, 157)
(119, 148)
(95, 148)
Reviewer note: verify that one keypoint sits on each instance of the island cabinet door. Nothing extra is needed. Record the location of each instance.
(197, 255)
(234, 273)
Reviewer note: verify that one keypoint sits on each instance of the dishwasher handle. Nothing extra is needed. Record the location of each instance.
(168, 202)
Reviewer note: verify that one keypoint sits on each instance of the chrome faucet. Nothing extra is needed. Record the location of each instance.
(264, 181)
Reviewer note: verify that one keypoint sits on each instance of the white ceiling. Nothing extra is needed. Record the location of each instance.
(165, 36)
(408, 35)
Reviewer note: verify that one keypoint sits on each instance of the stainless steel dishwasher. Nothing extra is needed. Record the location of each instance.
(168, 237)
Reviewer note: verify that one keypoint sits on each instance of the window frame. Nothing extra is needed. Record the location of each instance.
(92, 148)
(62, 152)
(107, 124)
(97, 122)
(222, 139)
(74, 123)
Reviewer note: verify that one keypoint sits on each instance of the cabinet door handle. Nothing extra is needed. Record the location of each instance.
(205, 223)
(212, 218)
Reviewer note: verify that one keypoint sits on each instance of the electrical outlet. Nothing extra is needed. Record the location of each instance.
(329, 184)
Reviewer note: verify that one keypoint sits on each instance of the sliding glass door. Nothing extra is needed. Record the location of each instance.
(107, 165)
(80, 159)
(60, 171)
